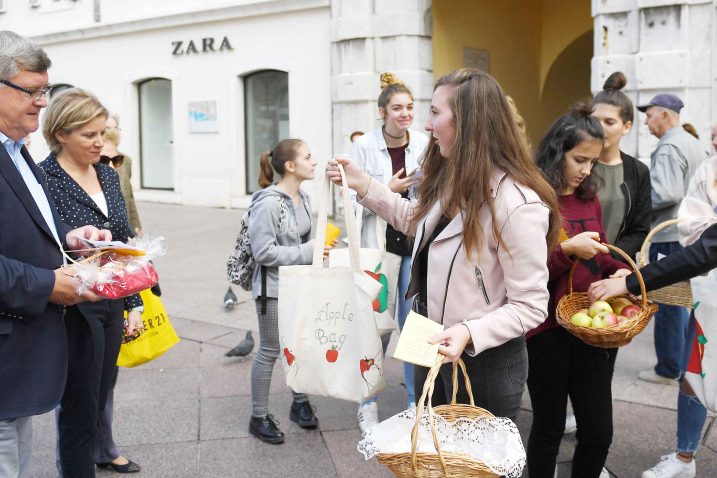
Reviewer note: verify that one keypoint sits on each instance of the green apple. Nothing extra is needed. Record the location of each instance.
(581, 319)
(597, 307)
(599, 322)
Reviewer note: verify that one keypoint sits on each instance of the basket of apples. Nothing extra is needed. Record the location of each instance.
(611, 323)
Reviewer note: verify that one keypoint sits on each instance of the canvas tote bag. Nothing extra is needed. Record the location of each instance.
(327, 332)
(383, 266)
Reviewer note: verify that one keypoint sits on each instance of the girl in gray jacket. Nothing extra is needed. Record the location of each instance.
(279, 230)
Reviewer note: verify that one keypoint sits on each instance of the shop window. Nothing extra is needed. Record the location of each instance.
(266, 110)
(156, 134)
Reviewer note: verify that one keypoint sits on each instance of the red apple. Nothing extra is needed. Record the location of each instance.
(631, 310)
(621, 318)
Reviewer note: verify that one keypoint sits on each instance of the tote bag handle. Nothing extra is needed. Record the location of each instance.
(380, 227)
(349, 222)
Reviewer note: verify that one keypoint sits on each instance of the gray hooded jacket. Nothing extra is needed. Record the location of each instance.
(274, 237)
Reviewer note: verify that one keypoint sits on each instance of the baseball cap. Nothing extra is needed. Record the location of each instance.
(666, 100)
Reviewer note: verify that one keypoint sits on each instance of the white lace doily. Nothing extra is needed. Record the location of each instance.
(493, 441)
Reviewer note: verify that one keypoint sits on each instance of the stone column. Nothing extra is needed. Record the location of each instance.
(662, 46)
(369, 37)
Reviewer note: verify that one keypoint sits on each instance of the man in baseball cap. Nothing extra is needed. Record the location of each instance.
(671, 166)
(664, 100)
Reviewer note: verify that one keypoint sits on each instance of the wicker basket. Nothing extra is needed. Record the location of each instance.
(675, 294)
(440, 464)
(609, 337)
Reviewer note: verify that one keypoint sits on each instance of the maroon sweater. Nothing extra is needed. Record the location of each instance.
(579, 215)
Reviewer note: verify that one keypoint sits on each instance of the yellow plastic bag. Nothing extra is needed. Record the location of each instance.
(157, 338)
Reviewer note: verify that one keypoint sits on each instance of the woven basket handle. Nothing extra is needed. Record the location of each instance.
(643, 292)
(645, 249)
(425, 399)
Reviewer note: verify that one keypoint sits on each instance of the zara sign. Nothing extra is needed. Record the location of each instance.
(206, 45)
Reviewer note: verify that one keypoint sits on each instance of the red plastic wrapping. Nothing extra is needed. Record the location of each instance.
(127, 279)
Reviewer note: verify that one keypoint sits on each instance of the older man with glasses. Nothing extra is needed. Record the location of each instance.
(34, 285)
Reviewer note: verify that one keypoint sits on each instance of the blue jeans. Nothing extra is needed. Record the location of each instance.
(670, 326)
(691, 414)
(404, 307)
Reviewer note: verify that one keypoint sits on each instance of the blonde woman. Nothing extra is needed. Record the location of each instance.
(87, 192)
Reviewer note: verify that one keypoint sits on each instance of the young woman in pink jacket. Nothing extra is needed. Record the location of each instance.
(483, 223)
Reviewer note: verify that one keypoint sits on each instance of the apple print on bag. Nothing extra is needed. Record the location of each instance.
(698, 352)
(290, 360)
(332, 355)
(380, 304)
(370, 372)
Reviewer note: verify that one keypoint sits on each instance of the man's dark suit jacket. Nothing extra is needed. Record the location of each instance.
(33, 344)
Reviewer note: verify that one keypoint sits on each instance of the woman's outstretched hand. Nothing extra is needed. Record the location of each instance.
(356, 178)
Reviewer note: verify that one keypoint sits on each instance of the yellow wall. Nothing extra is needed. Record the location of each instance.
(563, 22)
(508, 29)
(527, 41)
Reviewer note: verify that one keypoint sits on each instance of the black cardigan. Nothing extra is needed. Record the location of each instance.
(637, 189)
(692, 261)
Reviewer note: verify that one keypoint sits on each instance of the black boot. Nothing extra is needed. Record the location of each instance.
(265, 429)
(303, 415)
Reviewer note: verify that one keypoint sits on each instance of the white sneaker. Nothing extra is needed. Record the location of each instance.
(367, 416)
(571, 425)
(652, 377)
(672, 467)
(604, 473)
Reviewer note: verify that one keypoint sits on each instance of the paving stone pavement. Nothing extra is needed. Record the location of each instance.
(186, 414)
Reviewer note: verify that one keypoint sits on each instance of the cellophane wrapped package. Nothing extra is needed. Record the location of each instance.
(116, 274)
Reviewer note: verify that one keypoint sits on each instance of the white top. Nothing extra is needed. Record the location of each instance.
(371, 153)
(101, 202)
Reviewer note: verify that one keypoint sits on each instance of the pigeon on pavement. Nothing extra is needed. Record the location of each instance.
(230, 298)
(244, 347)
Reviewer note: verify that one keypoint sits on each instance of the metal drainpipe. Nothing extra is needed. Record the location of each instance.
(96, 8)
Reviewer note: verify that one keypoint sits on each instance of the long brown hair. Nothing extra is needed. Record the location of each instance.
(276, 159)
(486, 138)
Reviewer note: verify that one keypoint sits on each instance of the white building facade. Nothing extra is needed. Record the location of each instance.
(663, 46)
(203, 87)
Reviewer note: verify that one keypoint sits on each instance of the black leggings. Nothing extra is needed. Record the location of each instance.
(562, 365)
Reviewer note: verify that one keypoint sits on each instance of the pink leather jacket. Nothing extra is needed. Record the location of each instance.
(498, 294)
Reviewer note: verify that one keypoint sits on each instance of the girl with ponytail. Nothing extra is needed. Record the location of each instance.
(279, 230)
(390, 154)
(625, 193)
(557, 359)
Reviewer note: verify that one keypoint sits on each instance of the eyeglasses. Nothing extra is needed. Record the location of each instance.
(116, 161)
(34, 94)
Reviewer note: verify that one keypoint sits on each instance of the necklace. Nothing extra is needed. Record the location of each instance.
(392, 136)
